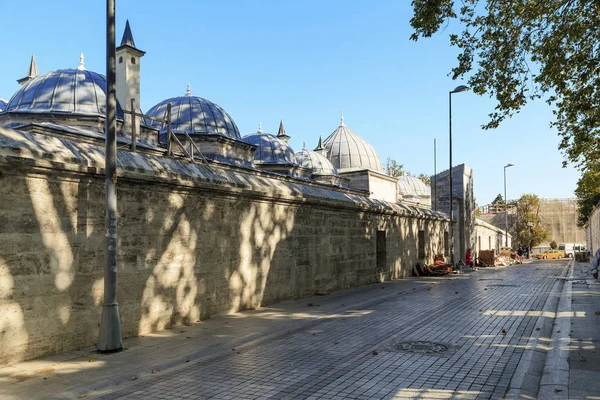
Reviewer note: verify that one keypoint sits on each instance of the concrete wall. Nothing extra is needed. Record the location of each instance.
(194, 242)
(559, 216)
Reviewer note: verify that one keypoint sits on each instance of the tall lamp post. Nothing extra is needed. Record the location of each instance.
(506, 206)
(109, 334)
(458, 89)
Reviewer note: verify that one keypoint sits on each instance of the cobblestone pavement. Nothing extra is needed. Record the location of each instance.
(483, 323)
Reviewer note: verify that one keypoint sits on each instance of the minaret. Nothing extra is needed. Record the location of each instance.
(281, 133)
(33, 72)
(128, 74)
(320, 149)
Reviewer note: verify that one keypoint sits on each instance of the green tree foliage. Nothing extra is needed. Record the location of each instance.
(425, 178)
(394, 168)
(588, 194)
(528, 208)
(553, 245)
(498, 200)
(523, 50)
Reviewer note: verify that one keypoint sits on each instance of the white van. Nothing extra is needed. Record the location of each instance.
(571, 248)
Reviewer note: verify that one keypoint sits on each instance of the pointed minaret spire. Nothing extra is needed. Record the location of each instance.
(320, 149)
(189, 90)
(33, 71)
(281, 133)
(342, 119)
(303, 145)
(127, 36)
(260, 127)
(81, 62)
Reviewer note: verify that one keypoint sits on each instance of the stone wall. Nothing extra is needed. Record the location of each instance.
(194, 242)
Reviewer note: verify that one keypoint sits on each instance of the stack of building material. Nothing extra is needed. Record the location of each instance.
(486, 258)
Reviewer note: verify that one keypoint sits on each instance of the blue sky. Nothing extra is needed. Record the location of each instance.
(302, 61)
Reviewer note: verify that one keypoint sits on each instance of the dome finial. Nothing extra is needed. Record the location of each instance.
(189, 90)
(342, 119)
(81, 63)
(260, 127)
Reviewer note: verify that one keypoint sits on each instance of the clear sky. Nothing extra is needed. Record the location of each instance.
(302, 61)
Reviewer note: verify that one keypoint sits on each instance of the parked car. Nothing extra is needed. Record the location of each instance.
(551, 255)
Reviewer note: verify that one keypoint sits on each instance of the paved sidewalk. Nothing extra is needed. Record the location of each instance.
(584, 350)
(349, 344)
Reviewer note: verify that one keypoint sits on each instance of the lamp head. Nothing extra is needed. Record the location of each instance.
(509, 165)
(461, 88)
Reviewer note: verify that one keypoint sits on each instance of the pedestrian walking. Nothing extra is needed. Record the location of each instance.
(595, 264)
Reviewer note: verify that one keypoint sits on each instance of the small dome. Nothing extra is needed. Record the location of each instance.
(3, 104)
(195, 116)
(270, 149)
(319, 164)
(411, 186)
(347, 150)
(64, 91)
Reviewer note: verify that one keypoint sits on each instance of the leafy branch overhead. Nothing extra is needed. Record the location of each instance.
(517, 51)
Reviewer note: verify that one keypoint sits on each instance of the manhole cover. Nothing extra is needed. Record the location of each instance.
(422, 347)
(579, 281)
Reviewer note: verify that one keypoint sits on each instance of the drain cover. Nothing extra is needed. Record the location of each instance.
(422, 347)
(579, 281)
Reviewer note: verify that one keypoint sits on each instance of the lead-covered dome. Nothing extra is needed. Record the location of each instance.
(3, 105)
(64, 91)
(194, 116)
(411, 186)
(270, 149)
(316, 161)
(347, 150)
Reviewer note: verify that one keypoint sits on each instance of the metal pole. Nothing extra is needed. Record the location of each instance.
(109, 334)
(505, 212)
(450, 180)
(169, 133)
(133, 131)
(434, 175)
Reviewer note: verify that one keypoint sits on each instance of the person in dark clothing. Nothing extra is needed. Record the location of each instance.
(520, 254)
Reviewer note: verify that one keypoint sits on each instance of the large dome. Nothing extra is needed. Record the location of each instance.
(3, 104)
(347, 150)
(270, 149)
(195, 116)
(318, 163)
(412, 187)
(64, 91)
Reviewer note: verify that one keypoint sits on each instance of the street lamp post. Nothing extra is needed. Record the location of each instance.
(109, 334)
(458, 89)
(506, 206)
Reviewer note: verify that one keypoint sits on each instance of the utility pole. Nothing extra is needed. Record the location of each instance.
(109, 334)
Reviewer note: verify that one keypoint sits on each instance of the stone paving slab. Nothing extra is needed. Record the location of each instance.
(584, 346)
(487, 319)
(347, 347)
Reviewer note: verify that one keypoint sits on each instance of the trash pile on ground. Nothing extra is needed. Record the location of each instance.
(438, 268)
(488, 258)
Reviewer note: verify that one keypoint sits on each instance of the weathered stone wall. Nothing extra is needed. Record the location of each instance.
(593, 231)
(193, 242)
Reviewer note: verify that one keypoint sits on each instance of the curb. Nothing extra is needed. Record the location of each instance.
(529, 375)
(555, 377)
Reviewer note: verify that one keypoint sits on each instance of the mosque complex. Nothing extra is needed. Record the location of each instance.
(210, 221)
